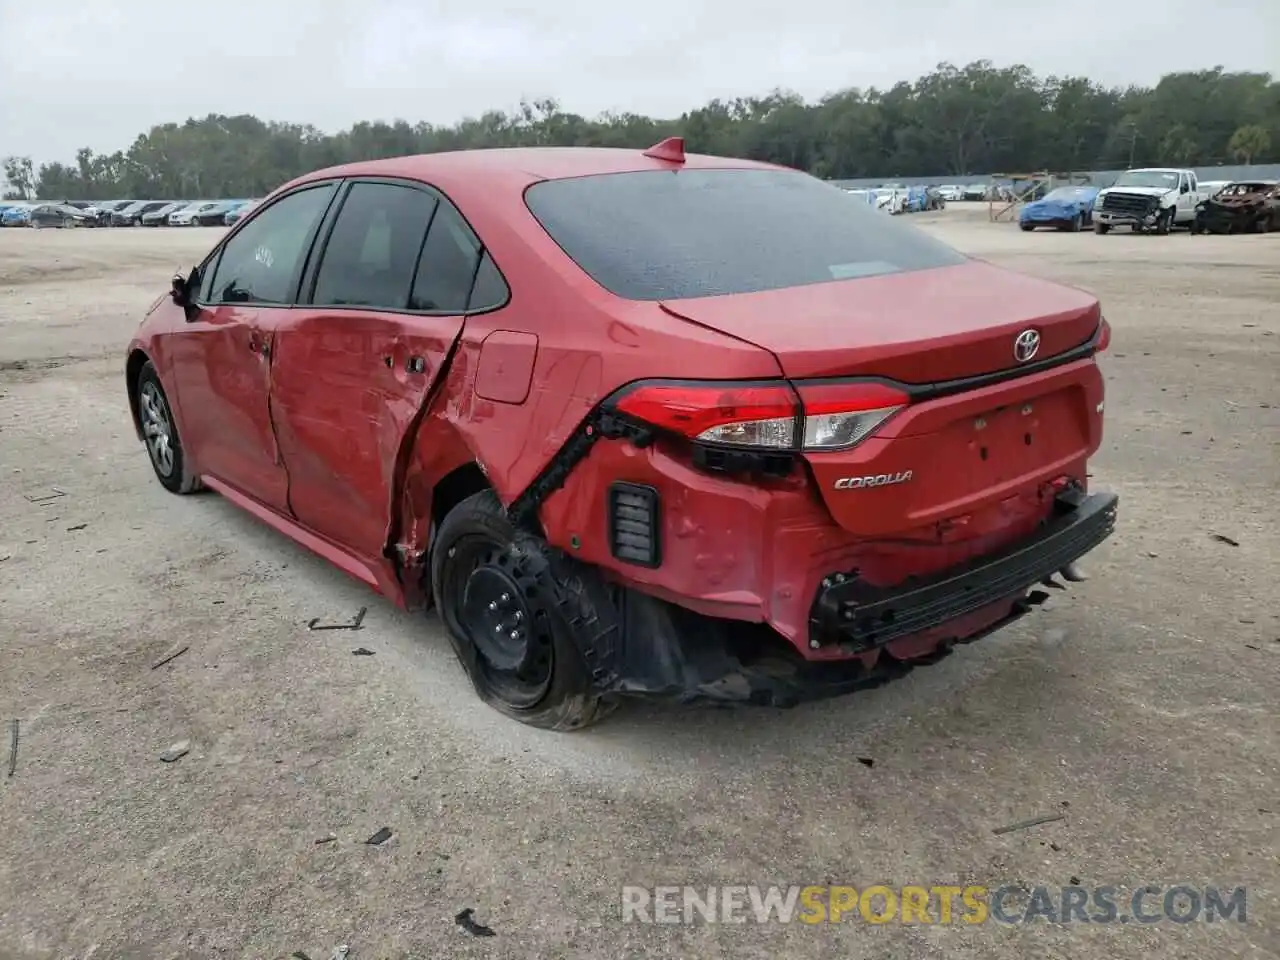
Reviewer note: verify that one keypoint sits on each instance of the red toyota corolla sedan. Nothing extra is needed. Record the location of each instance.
(635, 423)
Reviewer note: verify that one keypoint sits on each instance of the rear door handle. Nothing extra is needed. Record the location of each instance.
(414, 364)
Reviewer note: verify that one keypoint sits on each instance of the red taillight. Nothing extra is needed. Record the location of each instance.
(754, 414)
(815, 415)
(1104, 336)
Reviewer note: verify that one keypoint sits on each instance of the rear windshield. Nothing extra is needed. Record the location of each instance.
(659, 235)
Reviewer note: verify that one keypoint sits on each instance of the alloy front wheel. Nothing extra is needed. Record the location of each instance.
(159, 432)
(157, 429)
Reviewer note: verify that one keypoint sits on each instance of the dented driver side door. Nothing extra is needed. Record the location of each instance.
(379, 312)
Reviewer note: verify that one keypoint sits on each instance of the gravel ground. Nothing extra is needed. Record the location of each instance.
(1140, 706)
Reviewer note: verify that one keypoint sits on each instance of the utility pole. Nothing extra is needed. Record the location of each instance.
(1133, 141)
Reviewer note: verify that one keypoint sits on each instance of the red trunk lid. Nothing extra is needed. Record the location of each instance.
(917, 327)
(946, 458)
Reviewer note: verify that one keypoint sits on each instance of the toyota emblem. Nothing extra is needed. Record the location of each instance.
(1026, 345)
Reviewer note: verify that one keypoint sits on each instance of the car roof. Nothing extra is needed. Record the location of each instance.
(520, 166)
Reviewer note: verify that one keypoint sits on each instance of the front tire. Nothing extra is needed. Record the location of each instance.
(1077, 223)
(1164, 222)
(523, 618)
(1027, 227)
(160, 433)
(1101, 228)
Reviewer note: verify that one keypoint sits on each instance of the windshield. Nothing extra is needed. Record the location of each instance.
(1165, 179)
(1067, 193)
(658, 235)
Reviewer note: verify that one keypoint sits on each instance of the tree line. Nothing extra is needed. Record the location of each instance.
(974, 119)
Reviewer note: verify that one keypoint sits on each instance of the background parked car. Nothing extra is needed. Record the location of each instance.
(1211, 188)
(891, 200)
(951, 192)
(215, 215)
(107, 208)
(1243, 206)
(87, 212)
(131, 214)
(159, 217)
(62, 215)
(974, 191)
(186, 216)
(16, 215)
(1067, 208)
(234, 214)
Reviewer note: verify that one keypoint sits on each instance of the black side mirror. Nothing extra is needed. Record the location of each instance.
(183, 292)
(179, 290)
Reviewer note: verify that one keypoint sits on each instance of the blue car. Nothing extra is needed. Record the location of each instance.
(16, 217)
(917, 199)
(1067, 208)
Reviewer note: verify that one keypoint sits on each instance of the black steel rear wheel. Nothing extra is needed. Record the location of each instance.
(521, 617)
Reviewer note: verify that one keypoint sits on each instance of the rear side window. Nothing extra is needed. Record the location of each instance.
(659, 235)
(372, 252)
(489, 290)
(448, 266)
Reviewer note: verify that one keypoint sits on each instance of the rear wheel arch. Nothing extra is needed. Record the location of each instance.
(455, 486)
(459, 484)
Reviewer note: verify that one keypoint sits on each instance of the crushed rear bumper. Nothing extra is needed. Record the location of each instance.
(859, 617)
(668, 652)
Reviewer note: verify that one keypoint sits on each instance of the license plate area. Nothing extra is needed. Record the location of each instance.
(1010, 441)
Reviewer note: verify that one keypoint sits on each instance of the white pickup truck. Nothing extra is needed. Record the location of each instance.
(1157, 198)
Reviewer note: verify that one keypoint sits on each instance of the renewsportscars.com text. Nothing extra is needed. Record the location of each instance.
(937, 904)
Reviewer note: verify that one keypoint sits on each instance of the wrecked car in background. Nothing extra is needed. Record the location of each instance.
(1244, 206)
(1066, 208)
(636, 422)
(1153, 198)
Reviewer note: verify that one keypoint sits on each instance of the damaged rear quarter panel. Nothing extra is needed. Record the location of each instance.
(758, 550)
(589, 343)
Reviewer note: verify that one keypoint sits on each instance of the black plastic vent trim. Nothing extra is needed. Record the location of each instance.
(635, 524)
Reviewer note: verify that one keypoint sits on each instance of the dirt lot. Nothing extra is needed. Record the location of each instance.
(1141, 706)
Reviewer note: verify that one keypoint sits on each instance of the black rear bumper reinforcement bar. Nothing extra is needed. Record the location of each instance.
(859, 617)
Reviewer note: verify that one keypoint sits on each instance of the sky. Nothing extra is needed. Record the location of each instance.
(97, 73)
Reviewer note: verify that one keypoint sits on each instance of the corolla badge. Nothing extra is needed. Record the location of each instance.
(875, 480)
(1026, 345)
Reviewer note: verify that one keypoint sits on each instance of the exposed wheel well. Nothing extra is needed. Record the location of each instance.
(455, 487)
(132, 368)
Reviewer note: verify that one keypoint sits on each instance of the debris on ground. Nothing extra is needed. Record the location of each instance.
(340, 953)
(1033, 822)
(866, 761)
(362, 652)
(45, 498)
(78, 526)
(466, 920)
(1221, 539)
(382, 836)
(176, 752)
(355, 624)
(329, 839)
(169, 657)
(13, 746)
